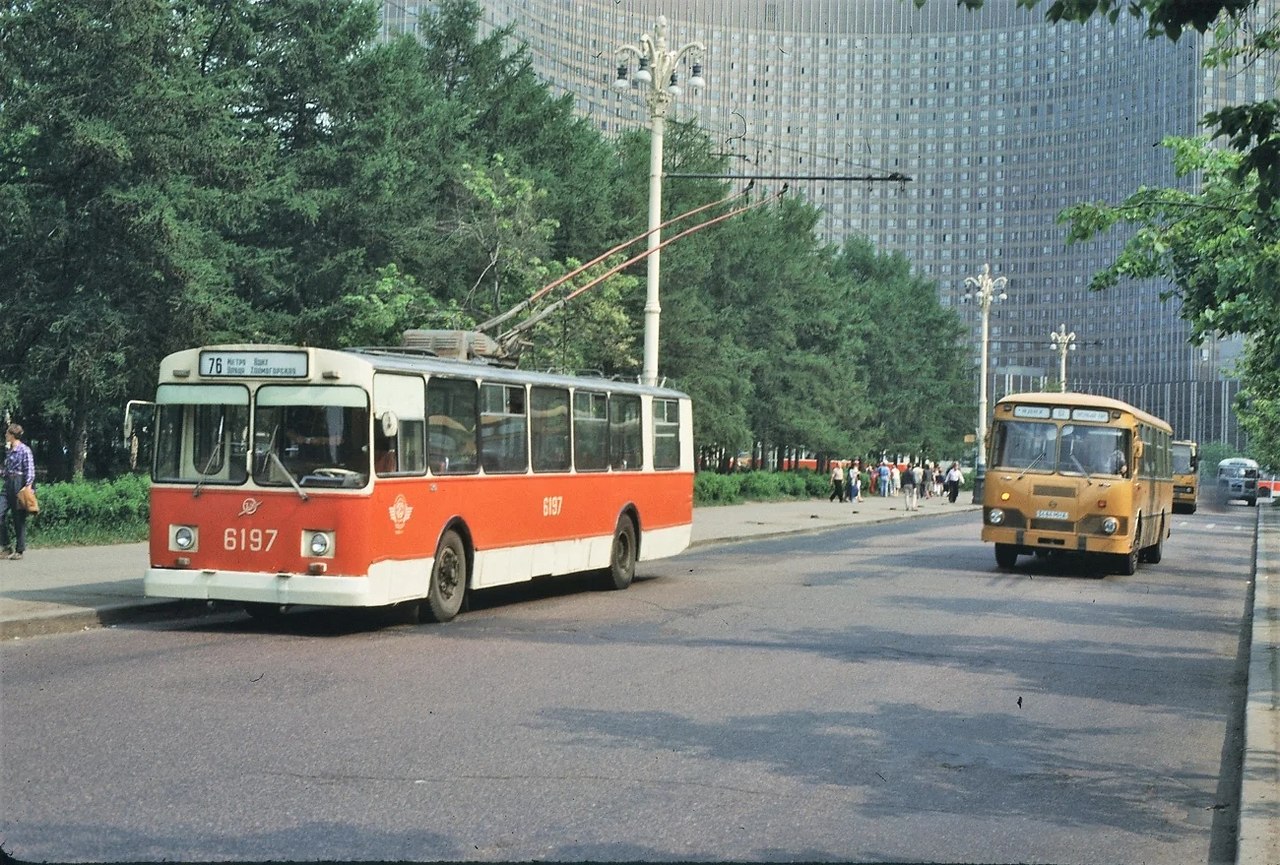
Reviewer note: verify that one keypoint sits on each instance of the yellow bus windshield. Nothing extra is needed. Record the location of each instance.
(1065, 448)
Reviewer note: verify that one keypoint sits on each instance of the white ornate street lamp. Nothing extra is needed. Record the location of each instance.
(657, 78)
(985, 290)
(1062, 342)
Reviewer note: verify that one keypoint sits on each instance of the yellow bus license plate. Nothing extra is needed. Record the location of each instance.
(1051, 515)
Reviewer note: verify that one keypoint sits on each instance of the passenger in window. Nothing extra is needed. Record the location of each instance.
(385, 459)
(1117, 464)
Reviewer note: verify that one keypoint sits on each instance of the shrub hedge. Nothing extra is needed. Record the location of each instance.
(92, 512)
(710, 488)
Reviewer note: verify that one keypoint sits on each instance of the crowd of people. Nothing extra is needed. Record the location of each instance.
(851, 480)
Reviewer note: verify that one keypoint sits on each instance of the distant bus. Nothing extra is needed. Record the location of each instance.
(374, 477)
(1186, 476)
(1077, 473)
(1238, 480)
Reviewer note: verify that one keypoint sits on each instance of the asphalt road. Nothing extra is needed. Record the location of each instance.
(880, 693)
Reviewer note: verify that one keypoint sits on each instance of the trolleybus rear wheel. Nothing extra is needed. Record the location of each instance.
(1006, 555)
(448, 579)
(622, 555)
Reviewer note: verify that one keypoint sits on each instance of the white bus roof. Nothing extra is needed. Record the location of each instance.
(357, 365)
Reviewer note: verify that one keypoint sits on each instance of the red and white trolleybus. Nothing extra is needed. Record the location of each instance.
(369, 477)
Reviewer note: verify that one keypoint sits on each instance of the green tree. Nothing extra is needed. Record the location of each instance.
(120, 167)
(919, 379)
(1221, 266)
(512, 113)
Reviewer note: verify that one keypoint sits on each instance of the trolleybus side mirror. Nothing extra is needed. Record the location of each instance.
(138, 414)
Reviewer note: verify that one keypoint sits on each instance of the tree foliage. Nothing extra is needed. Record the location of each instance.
(1222, 261)
(186, 172)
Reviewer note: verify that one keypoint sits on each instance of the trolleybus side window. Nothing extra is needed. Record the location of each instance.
(666, 434)
(451, 425)
(504, 433)
(400, 425)
(202, 433)
(549, 428)
(625, 436)
(311, 435)
(590, 431)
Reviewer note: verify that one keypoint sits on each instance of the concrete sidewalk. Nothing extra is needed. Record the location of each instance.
(72, 588)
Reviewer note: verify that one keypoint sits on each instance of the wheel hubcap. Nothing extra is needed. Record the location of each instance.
(448, 574)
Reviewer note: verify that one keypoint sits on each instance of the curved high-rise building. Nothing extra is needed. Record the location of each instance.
(999, 120)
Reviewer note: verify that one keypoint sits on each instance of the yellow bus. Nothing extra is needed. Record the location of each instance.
(1186, 477)
(1071, 472)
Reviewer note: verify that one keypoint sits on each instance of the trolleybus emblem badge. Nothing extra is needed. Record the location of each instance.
(400, 512)
(249, 507)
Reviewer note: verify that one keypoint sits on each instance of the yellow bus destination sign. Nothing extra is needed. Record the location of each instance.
(1044, 412)
(254, 364)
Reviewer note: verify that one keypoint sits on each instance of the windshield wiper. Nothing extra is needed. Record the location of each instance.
(1032, 465)
(208, 467)
(288, 474)
(1083, 471)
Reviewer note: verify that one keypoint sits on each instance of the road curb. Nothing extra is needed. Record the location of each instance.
(83, 619)
(1258, 836)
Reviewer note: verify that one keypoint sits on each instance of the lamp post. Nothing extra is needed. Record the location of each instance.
(985, 290)
(658, 80)
(1062, 342)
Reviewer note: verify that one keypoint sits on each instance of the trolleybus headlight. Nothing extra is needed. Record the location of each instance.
(319, 544)
(183, 538)
(995, 517)
(1110, 525)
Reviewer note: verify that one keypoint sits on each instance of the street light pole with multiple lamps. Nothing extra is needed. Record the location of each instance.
(985, 290)
(658, 79)
(1062, 342)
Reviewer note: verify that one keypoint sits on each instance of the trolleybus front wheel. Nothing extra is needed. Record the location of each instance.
(622, 555)
(448, 579)
(1006, 555)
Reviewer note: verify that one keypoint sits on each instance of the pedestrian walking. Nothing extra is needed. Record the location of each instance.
(19, 473)
(908, 481)
(953, 480)
(837, 482)
(882, 478)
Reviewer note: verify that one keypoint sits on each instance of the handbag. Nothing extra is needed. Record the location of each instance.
(27, 500)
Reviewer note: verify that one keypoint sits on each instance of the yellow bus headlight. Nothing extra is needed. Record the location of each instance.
(995, 516)
(1110, 525)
